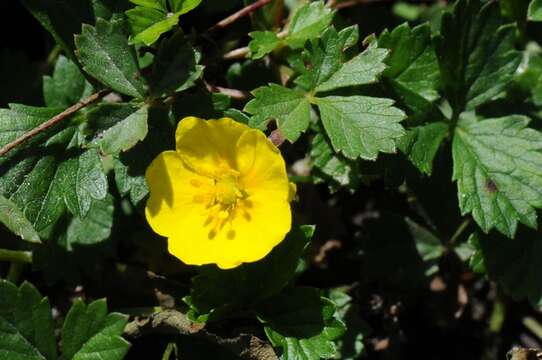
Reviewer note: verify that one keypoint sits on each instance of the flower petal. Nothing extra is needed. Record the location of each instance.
(262, 167)
(208, 145)
(173, 187)
(250, 236)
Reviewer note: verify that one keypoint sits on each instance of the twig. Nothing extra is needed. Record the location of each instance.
(233, 93)
(53, 121)
(245, 346)
(241, 13)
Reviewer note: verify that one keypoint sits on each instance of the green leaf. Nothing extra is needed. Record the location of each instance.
(513, 263)
(290, 109)
(262, 43)
(412, 61)
(152, 18)
(302, 323)
(496, 166)
(89, 332)
(26, 324)
(29, 179)
(62, 18)
(422, 143)
(67, 85)
(105, 54)
(308, 22)
(325, 56)
(129, 128)
(350, 346)
(476, 54)
(82, 179)
(13, 218)
(535, 10)
(175, 66)
(361, 126)
(95, 227)
(360, 70)
(331, 167)
(249, 283)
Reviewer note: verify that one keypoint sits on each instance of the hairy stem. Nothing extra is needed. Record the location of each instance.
(53, 121)
(247, 10)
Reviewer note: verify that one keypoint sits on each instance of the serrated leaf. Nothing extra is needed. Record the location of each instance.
(95, 227)
(249, 283)
(513, 263)
(13, 218)
(67, 85)
(497, 168)
(124, 133)
(331, 167)
(476, 53)
(421, 144)
(62, 18)
(535, 10)
(289, 108)
(29, 178)
(360, 70)
(89, 332)
(325, 56)
(26, 323)
(308, 22)
(302, 323)
(412, 61)
(152, 18)
(82, 180)
(262, 43)
(105, 54)
(175, 66)
(361, 126)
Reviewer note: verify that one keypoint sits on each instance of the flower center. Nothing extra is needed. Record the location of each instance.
(227, 191)
(222, 202)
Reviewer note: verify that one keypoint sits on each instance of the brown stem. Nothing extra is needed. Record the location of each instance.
(241, 13)
(53, 121)
(233, 93)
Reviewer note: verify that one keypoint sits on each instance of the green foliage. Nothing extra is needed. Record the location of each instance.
(250, 283)
(27, 328)
(535, 10)
(105, 54)
(152, 18)
(401, 144)
(302, 323)
(476, 54)
(495, 162)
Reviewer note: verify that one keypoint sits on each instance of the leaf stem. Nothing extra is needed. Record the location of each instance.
(53, 121)
(247, 10)
(460, 230)
(24, 257)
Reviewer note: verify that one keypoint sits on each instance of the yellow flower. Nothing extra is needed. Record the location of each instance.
(222, 197)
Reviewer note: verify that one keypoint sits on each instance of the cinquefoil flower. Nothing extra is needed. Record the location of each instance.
(222, 197)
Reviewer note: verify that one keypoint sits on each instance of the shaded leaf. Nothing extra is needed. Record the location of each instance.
(476, 53)
(13, 218)
(422, 143)
(535, 10)
(26, 323)
(67, 85)
(95, 227)
(262, 43)
(302, 323)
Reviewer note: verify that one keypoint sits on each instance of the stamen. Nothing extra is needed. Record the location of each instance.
(195, 183)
